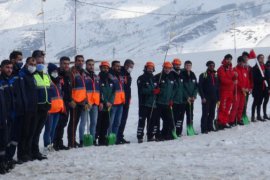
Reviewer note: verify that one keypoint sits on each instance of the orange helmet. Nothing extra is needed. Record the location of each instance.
(176, 61)
(150, 64)
(167, 64)
(104, 63)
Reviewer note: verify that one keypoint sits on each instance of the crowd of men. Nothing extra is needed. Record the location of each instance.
(31, 99)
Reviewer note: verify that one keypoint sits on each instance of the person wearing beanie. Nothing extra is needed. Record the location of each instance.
(240, 91)
(190, 89)
(107, 94)
(227, 79)
(179, 96)
(93, 97)
(43, 84)
(66, 89)
(164, 100)
(126, 74)
(147, 104)
(209, 92)
(57, 107)
(259, 88)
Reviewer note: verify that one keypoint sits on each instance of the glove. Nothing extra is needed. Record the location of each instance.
(218, 103)
(72, 104)
(156, 91)
(171, 103)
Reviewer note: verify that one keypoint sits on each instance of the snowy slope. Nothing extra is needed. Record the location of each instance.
(131, 34)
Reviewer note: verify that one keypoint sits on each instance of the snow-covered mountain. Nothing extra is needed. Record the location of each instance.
(100, 30)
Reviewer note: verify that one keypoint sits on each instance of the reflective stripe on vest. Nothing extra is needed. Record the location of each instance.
(78, 90)
(43, 84)
(93, 96)
(57, 103)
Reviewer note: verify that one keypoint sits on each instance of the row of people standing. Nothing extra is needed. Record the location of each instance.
(31, 99)
(170, 95)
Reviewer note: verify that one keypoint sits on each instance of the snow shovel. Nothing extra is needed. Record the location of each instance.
(88, 139)
(174, 135)
(111, 138)
(215, 122)
(244, 116)
(190, 129)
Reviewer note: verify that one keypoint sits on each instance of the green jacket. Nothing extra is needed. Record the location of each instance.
(146, 85)
(166, 86)
(107, 92)
(179, 94)
(190, 84)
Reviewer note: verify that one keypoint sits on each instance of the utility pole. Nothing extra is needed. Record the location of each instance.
(75, 27)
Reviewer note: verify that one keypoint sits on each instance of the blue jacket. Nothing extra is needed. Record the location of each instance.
(7, 84)
(3, 110)
(30, 90)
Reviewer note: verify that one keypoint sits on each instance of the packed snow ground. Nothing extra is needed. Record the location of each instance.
(238, 153)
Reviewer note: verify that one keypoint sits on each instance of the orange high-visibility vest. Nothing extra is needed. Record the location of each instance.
(57, 103)
(92, 88)
(119, 91)
(78, 88)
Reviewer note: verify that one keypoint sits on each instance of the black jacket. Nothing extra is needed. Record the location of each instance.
(209, 86)
(30, 90)
(21, 100)
(146, 84)
(66, 85)
(7, 83)
(258, 81)
(127, 86)
(3, 110)
(267, 72)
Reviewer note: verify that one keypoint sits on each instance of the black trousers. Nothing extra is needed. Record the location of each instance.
(103, 123)
(27, 133)
(3, 140)
(14, 136)
(208, 115)
(257, 103)
(178, 113)
(123, 123)
(145, 114)
(75, 115)
(265, 102)
(166, 114)
(62, 123)
(40, 121)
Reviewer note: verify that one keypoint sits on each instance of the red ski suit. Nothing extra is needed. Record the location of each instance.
(239, 99)
(226, 79)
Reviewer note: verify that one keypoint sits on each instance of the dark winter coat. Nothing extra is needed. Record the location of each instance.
(166, 85)
(190, 84)
(146, 84)
(209, 85)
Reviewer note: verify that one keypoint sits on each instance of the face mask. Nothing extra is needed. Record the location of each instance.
(31, 69)
(40, 67)
(129, 70)
(54, 74)
(19, 64)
